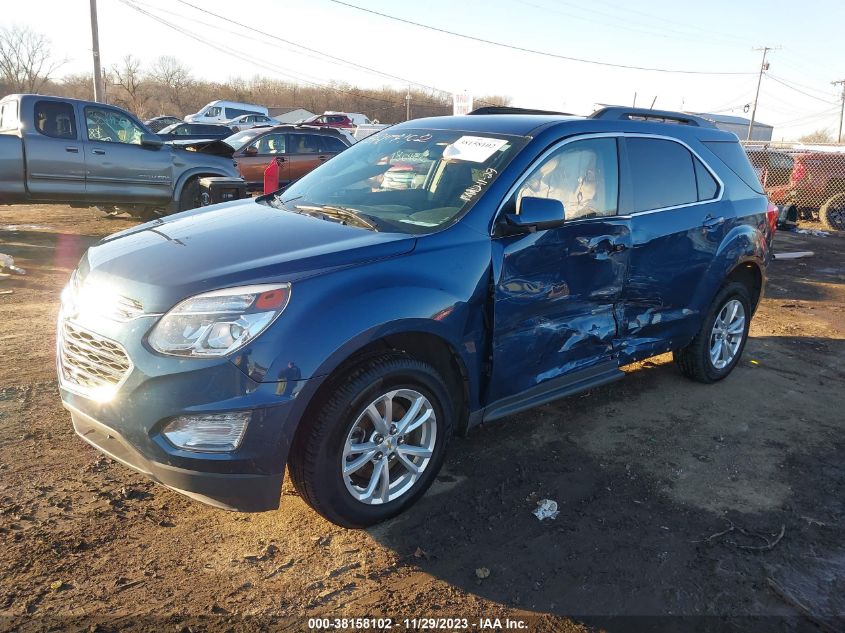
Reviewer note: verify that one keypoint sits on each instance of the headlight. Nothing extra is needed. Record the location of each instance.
(219, 322)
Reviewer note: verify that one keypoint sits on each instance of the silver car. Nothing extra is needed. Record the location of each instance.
(247, 121)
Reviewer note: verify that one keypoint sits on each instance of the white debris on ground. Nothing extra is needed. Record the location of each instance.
(8, 262)
(794, 255)
(546, 509)
(815, 232)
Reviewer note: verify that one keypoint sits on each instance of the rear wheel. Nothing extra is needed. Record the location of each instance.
(376, 444)
(832, 213)
(717, 347)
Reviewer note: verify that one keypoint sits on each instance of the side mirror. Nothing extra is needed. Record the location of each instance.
(537, 214)
(151, 140)
(252, 150)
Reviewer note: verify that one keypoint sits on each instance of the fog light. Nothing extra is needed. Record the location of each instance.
(211, 433)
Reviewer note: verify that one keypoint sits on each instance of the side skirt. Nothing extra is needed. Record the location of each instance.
(549, 391)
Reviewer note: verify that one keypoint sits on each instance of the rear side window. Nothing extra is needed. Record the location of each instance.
(708, 188)
(233, 113)
(331, 144)
(662, 174)
(55, 119)
(9, 115)
(730, 153)
(305, 144)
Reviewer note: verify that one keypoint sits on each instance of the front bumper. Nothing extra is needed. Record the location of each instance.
(129, 426)
(241, 492)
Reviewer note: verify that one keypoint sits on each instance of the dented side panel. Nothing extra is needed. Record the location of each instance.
(672, 252)
(554, 297)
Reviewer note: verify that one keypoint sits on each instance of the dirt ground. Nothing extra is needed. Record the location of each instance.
(699, 504)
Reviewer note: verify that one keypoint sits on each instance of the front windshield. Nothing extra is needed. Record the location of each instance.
(239, 139)
(410, 181)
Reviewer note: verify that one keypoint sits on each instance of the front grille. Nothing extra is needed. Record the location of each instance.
(89, 362)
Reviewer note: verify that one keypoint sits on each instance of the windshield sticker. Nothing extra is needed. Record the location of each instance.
(478, 185)
(476, 149)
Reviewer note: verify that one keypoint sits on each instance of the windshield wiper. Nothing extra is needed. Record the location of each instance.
(341, 213)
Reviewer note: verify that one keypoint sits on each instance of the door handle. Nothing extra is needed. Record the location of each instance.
(711, 222)
(72, 150)
(323, 159)
(605, 247)
(99, 152)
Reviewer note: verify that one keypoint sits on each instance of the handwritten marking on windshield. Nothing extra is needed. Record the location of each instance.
(478, 185)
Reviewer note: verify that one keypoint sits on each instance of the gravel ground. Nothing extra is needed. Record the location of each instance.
(677, 499)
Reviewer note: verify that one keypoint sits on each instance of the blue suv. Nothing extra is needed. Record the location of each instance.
(439, 274)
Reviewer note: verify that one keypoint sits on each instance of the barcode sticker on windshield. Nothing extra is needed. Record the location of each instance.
(476, 149)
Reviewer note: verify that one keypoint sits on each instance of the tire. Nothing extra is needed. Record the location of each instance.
(832, 213)
(189, 197)
(319, 452)
(695, 360)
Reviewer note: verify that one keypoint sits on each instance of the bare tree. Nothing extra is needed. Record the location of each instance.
(132, 89)
(175, 77)
(819, 136)
(26, 61)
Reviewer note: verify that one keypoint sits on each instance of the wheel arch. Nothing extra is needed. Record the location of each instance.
(424, 346)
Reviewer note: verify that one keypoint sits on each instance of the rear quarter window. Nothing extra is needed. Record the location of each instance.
(732, 154)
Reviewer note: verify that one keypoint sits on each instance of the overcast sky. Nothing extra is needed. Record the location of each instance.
(716, 36)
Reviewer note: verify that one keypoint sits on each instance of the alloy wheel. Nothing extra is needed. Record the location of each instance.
(727, 334)
(389, 446)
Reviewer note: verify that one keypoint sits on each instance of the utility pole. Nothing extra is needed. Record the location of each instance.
(841, 82)
(763, 67)
(95, 47)
(408, 104)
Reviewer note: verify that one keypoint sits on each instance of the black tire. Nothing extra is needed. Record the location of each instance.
(832, 213)
(317, 451)
(189, 197)
(694, 360)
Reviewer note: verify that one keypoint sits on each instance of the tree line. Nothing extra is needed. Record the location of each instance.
(165, 86)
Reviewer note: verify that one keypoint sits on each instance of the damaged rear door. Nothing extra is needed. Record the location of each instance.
(555, 291)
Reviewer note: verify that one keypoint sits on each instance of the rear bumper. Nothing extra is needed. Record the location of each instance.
(240, 492)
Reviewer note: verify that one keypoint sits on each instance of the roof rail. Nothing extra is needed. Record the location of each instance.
(510, 110)
(621, 113)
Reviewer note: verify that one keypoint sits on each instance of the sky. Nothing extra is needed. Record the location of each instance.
(713, 37)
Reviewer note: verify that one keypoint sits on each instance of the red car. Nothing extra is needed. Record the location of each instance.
(329, 119)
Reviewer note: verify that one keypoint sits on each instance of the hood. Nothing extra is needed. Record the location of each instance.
(231, 244)
(215, 147)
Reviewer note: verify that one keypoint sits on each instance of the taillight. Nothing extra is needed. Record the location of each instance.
(772, 214)
(799, 171)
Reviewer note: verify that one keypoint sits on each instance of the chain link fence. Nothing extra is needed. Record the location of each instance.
(805, 181)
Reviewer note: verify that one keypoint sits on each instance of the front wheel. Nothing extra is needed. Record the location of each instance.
(376, 443)
(189, 197)
(717, 347)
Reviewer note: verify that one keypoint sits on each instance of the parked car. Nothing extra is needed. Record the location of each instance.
(54, 149)
(194, 131)
(805, 183)
(357, 118)
(247, 121)
(347, 330)
(329, 120)
(160, 122)
(299, 148)
(222, 111)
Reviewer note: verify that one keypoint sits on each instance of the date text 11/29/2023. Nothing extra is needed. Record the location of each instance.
(416, 624)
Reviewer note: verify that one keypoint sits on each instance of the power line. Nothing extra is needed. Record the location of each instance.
(318, 52)
(534, 51)
(273, 68)
(806, 94)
